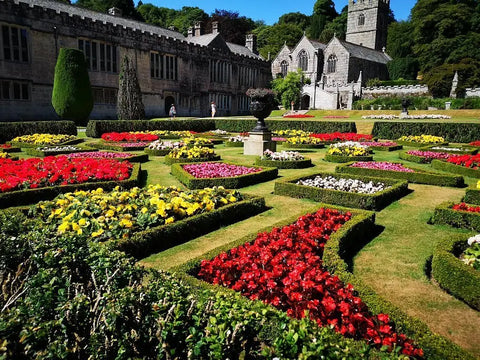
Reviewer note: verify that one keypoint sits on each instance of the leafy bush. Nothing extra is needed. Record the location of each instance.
(10, 130)
(456, 169)
(445, 215)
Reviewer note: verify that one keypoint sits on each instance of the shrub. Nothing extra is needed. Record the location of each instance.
(10, 130)
(445, 215)
(456, 169)
(72, 96)
(241, 125)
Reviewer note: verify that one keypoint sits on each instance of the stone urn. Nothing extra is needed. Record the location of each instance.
(261, 109)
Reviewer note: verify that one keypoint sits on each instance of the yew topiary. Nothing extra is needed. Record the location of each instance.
(129, 102)
(72, 96)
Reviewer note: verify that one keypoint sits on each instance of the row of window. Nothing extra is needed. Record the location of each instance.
(104, 95)
(14, 90)
(303, 64)
(243, 103)
(223, 102)
(99, 56)
(247, 76)
(220, 72)
(163, 66)
(14, 43)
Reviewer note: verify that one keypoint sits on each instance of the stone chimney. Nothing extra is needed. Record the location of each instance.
(114, 11)
(190, 32)
(198, 28)
(215, 29)
(251, 43)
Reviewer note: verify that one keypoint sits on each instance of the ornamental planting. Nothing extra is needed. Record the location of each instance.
(58, 170)
(468, 161)
(465, 207)
(238, 138)
(284, 268)
(303, 140)
(338, 136)
(290, 133)
(132, 137)
(342, 184)
(429, 155)
(197, 141)
(44, 139)
(192, 153)
(348, 148)
(423, 139)
(100, 155)
(59, 149)
(381, 165)
(378, 143)
(165, 145)
(282, 156)
(218, 170)
(408, 117)
(471, 255)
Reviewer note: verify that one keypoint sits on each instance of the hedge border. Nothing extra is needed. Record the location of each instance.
(445, 215)
(455, 169)
(418, 177)
(344, 159)
(151, 241)
(244, 125)
(11, 150)
(39, 153)
(342, 244)
(414, 158)
(234, 144)
(106, 146)
(377, 201)
(386, 148)
(285, 164)
(30, 196)
(419, 145)
(267, 174)
(169, 160)
(10, 130)
(34, 146)
(157, 152)
(473, 150)
(452, 274)
(472, 196)
(303, 146)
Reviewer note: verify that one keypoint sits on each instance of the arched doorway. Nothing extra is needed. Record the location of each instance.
(169, 100)
(305, 105)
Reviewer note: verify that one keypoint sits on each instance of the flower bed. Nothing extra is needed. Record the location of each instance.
(194, 154)
(298, 116)
(120, 146)
(303, 142)
(162, 148)
(236, 141)
(419, 140)
(131, 137)
(423, 156)
(472, 194)
(466, 165)
(460, 215)
(231, 176)
(109, 155)
(283, 160)
(291, 133)
(8, 148)
(56, 150)
(36, 140)
(398, 171)
(347, 190)
(451, 274)
(284, 268)
(348, 151)
(407, 117)
(198, 142)
(216, 132)
(382, 146)
(456, 150)
(338, 136)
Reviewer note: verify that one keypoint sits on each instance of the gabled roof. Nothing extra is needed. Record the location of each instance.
(317, 44)
(203, 40)
(242, 50)
(362, 52)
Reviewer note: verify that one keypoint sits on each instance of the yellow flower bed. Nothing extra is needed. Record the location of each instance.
(348, 150)
(423, 139)
(291, 133)
(120, 213)
(196, 141)
(168, 133)
(44, 139)
(303, 140)
(4, 155)
(192, 153)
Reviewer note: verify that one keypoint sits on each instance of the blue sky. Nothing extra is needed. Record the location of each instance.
(271, 10)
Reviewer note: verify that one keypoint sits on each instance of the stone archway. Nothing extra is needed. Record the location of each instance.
(305, 103)
(169, 100)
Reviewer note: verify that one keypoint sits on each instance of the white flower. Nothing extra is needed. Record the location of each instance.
(474, 239)
(342, 184)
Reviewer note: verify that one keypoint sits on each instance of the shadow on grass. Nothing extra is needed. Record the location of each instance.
(362, 240)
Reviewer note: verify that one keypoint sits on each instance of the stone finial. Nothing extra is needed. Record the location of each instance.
(215, 28)
(190, 32)
(360, 78)
(198, 28)
(384, 49)
(453, 91)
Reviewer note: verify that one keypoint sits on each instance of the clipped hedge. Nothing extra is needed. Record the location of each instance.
(152, 241)
(418, 177)
(345, 159)
(386, 148)
(234, 144)
(10, 130)
(169, 160)
(285, 164)
(103, 145)
(157, 152)
(414, 158)
(459, 279)
(375, 201)
(287, 145)
(453, 132)
(11, 150)
(235, 182)
(39, 153)
(472, 196)
(242, 125)
(95, 128)
(471, 150)
(24, 145)
(418, 144)
(445, 215)
(31, 196)
(456, 169)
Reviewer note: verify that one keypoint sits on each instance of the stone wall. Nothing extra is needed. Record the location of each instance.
(394, 91)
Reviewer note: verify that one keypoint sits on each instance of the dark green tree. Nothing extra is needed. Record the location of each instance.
(400, 47)
(325, 8)
(129, 103)
(289, 88)
(270, 39)
(336, 27)
(323, 13)
(296, 18)
(72, 96)
(233, 27)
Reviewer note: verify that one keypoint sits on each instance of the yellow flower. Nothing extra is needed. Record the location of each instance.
(64, 227)
(170, 220)
(126, 223)
(82, 222)
(97, 233)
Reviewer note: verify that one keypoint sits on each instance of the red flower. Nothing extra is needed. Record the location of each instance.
(469, 161)
(128, 136)
(338, 136)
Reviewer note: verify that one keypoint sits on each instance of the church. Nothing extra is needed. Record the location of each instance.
(338, 70)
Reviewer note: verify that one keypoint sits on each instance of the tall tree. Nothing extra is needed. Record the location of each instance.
(323, 13)
(296, 18)
(336, 27)
(288, 88)
(129, 102)
(270, 39)
(233, 27)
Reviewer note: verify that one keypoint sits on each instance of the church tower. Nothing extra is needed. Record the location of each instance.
(367, 23)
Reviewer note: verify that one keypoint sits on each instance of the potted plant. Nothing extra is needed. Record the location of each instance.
(261, 106)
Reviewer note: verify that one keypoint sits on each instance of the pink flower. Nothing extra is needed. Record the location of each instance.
(218, 170)
(379, 165)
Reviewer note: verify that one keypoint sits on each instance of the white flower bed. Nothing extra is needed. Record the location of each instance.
(282, 156)
(449, 149)
(237, 138)
(219, 132)
(408, 117)
(165, 145)
(349, 144)
(349, 185)
(58, 148)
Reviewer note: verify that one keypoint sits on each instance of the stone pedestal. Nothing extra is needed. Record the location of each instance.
(258, 142)
(403, 114)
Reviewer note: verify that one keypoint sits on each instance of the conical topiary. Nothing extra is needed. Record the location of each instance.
(72, 96)
(129, 103)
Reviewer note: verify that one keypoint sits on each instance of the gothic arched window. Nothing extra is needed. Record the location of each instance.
(361, 19)
(303, 60)
(284, 68)
(332, 64)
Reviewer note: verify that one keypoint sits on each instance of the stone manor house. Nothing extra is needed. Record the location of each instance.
(188, 71)
(338, 70)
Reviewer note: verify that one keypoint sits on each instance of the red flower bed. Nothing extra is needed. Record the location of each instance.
(298, 116)
(469, 161)
(58, 170)
(338, 136)
(5, 146)
(475, 143)
(464, 207)
(284, 268)
(128, 136)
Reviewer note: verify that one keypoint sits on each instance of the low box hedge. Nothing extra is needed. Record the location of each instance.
(157, 152)
(10, 130)
(377, 201)
(243, 125)
(148, 242)
(472, 196)
(104, 145)
(34, 146)
(466, 149)
(235, 182)
(455, 169)
(417, 144)
(345, 159)
(31, 196)
(12, 149)
(234, 144)
(386, 148)
(445, 215)
(340, 248)
(286, 144)
(169, 160)
(418, 177)
(451, 131)
(39, 153)
(285, 164)
(459, 279)
(414, 158)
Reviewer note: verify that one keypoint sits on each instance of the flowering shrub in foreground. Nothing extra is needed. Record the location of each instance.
(342, 184)
(423, 139)
(218, 170)
(381, 165)
(469, 161)
(165, 145)
(100, 155)
(192, 153)
(44, 139)
(282, 155)
(429, 155)
(58, 170)
(348, 148)
(129, 136)
(338, 136)
(305, 140)
(378, 143)
(471, 255)
(119, 213)
(284, 268)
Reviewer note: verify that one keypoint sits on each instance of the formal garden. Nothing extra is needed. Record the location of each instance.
(355, 239)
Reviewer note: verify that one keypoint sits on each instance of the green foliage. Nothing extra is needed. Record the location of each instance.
(170, 160)
(472, 196)
(453, 275)
(233, 27)
(337, 27)
(399, 40)
(127, 6)
(129, 102)
(289, 88)
(403, 68)
(311, 126)
(418, 102)
(10, 130)
(270, 39)
(456, 169)
(445, 215)
(375, 201)
(72, 96)
(296, 18)
(345, 159)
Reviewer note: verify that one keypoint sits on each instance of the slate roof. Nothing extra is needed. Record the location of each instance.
(242, 50)
(362, 52)
(317, 45)
(203, 40)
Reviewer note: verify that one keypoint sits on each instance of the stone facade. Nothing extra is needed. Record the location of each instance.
(171, 68)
